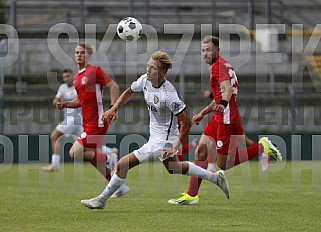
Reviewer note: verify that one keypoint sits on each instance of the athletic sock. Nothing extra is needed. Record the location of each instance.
(99, 158)
(106, 150)
(245, 154)
(99, 161)
(210, 158)
(112, 186)
(180, 156)
(55, 160)
(211, 164)
(195, 183)
(211, 167)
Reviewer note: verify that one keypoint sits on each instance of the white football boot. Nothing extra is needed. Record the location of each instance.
(94, 203)
(223, 183)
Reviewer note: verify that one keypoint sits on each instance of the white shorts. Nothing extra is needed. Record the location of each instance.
(152, 150)
(68, 127)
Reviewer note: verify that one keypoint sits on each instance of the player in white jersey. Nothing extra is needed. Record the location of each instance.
(164, 108)
(72, 123)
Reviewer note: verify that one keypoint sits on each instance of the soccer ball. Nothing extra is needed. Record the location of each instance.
(129, 29)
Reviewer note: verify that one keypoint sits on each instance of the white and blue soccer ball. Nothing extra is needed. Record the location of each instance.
(129, 29)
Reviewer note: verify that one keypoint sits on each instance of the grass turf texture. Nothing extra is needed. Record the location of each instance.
(285, 199)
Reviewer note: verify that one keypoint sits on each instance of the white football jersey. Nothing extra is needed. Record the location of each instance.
(163, 105)
(68, 94)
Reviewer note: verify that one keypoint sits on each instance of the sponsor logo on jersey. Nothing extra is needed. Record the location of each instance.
(151, 107)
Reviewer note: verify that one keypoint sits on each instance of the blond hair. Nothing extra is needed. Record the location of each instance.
(90, 49)
(211, 39)
(163, 58)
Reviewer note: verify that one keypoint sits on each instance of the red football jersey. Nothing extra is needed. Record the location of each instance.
(221, 71)
(89, 83)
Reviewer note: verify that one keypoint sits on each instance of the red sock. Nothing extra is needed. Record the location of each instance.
(246, 154)
(210, 158)
(195, 183)
(186, 147)
(99, 162)
(99, 158)
(180, 156)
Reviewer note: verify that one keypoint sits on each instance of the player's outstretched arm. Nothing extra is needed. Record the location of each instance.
(68, 104)
(114, 91)
(208, 109)
(111, 115)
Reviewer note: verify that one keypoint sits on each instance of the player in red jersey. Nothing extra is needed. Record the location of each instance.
(89, 82)
(248, 142)
(225, 128)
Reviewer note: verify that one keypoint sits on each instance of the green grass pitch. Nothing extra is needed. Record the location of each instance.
(287, 198)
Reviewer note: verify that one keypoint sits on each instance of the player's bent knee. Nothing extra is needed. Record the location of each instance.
(71, 154)
(75, 155)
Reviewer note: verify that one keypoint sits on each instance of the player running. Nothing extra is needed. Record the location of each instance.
(165, 140)
(89, 82)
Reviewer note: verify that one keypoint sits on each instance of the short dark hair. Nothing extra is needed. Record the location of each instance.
(211, 39)
(67, 70)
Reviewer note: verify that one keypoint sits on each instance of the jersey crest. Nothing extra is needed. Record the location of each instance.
(156, 99)
(83, 80)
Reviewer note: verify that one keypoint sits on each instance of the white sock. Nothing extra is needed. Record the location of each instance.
(114, 184)
(55, 160)
(106, 150)
(199, 172)
(210, 166)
